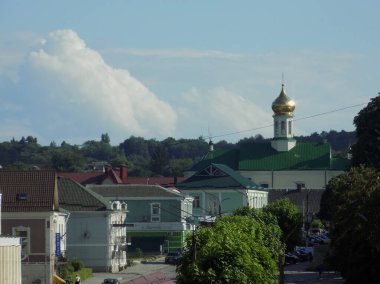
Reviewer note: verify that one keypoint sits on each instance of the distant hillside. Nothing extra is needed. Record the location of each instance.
(143, 157)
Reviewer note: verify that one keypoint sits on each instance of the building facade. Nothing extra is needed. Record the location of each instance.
(30, 211)
(219, 190)
(96, 231)
(282, 163)
(157, 218)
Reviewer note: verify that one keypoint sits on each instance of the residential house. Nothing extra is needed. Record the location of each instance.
(219, 190)
(30, 210)
(157, 219)
(282, 163)
(96, 231)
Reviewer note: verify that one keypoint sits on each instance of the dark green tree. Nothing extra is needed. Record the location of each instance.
(64, 160)
(355, 230)
(159, 163)
(236, 249)
(289, 219)
(366, 151)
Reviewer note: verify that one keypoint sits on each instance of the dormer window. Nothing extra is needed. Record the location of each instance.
(123, 206)
(115, 205)
(21, 196)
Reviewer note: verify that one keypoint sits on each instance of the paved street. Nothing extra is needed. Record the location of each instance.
(297, 273)
(136, 271)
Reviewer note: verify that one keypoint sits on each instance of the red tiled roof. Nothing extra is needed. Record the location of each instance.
(28, 191)
(114, 174)
(85, 177)
(95, 177)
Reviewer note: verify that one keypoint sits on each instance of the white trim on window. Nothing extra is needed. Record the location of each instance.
(24, 234)
(155, 212)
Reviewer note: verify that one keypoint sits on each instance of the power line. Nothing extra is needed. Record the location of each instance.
(302, 118)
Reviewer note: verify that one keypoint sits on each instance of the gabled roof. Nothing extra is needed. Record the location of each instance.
(134, 191)
(262, 157)
(217, 176)
(74, 197)
(84, 177)
(28, 191)
(93, 177)
(99, 177)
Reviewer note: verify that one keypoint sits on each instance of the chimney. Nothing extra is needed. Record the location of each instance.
(123, 173)
(107, 168)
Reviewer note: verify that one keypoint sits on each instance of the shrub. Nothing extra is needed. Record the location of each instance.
(76, 264)
(138, 252)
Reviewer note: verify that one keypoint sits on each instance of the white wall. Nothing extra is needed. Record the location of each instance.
(289, 179)
(10, 260)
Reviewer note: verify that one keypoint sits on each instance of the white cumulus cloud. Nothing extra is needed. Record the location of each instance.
(79, 89)
(224, 115)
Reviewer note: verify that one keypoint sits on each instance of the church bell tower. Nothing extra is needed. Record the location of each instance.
(283, 108)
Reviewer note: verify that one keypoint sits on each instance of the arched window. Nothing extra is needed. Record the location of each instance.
(276, 128)
(290, 127)
(283, 132)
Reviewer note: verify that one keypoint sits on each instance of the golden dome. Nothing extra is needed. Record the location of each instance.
(283, 104)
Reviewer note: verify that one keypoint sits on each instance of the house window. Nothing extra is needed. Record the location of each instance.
(155, 212)
(196, 202)
(264, 185)
(290, 127)
(283, 132)
(24, 234)
(276, 128)
(300, 185)
(123, 206)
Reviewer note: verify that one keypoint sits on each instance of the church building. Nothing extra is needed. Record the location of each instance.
(282, 163)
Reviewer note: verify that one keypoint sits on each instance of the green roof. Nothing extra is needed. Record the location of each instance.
(74, 197)
(304, 156)
(262, 157)
(217, 176)
(126, 191)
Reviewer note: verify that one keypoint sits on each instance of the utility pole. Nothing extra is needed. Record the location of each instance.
(194, 245)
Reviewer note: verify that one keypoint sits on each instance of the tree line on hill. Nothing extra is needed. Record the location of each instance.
(169, 157)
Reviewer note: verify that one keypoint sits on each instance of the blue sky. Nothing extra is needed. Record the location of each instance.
(72, 70)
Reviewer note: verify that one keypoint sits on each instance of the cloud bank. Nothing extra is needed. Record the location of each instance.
(78, 90)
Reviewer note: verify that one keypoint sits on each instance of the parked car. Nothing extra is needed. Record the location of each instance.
(291, 258)
(172, 257)
(110, 281)
(303, 255)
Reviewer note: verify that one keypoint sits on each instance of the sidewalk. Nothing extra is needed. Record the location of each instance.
(137, 272)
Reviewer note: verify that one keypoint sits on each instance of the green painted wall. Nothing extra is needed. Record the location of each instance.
(170, 210)
(170, 241)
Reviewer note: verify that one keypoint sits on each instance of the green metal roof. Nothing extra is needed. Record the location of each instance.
(126, 191)
(304, 156)
(262, 157)
(74, 197)
(217, 176)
